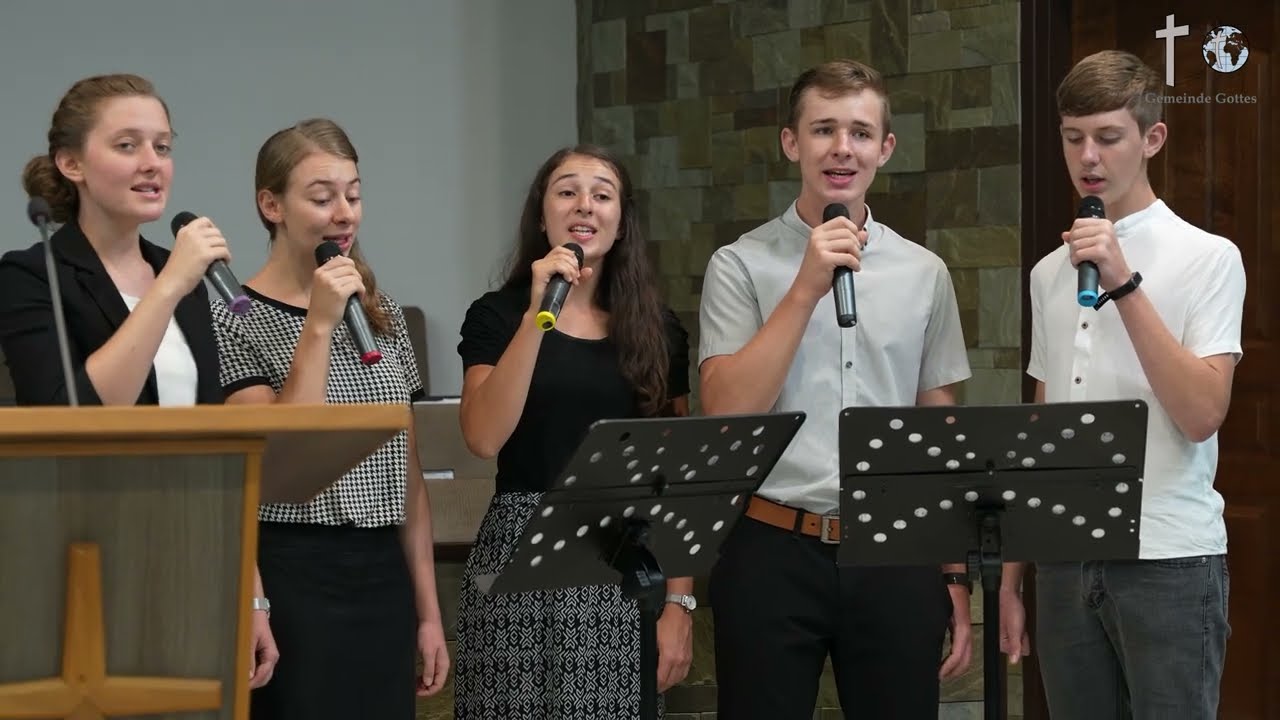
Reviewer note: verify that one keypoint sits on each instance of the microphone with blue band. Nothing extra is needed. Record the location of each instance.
(1087, 273)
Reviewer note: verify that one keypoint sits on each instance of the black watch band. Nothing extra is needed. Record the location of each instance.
(961, 579)
(1115, 294)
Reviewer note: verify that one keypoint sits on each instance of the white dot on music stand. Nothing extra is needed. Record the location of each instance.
(1033, 502)
(863, 466)
(896, 424)
(537, 538)
(570, 480)
(694, 550)
(915, 437)
(688, 536)
(879, 537)
(1009, 495)
(546, 511)
(1114, 512)
(971, 496)
(934, 451)
(629, 511)
(1117, 458)
(876, 443)
(595, 456)
(953, 464)
(559, 545)
(1059, 509)
(716, 528)
(864, 518)
(1122, 487)
(1098, 532)
(899, 524)
(1107, 437)
(536, 561)
(1047, 448)
(582, 531)
(960, 438)
(604, 521)
(921, 512)
(1087, 418)
(859, 494)
(945, 504)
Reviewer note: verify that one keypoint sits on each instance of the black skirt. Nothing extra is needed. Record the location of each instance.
(343, 617)
(546, 655)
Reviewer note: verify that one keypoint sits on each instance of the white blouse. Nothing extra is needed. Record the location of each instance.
(174, 364)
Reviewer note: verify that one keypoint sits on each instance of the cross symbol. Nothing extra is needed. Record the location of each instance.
(1170, 32)
(85, 691)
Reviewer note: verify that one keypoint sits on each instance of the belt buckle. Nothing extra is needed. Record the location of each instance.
(828, 522)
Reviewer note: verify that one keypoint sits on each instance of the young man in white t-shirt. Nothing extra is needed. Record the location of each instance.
(1143, 638)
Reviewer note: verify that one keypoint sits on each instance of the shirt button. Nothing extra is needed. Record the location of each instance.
(1085, 325)
(1078, 381)
(848, 364)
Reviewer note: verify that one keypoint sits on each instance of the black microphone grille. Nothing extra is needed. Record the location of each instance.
(181, 220)
(834, 210)
(327, 251)
(1091, 207)
(38, 210)
(577, 251)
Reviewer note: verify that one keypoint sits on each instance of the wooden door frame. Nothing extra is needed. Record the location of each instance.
(1045, 56)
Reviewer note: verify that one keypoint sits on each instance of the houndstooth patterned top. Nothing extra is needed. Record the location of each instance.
(257, 349)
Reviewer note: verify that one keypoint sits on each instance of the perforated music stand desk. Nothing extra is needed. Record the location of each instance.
(643, 500)
(985, 485)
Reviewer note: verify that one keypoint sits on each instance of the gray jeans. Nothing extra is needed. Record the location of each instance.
(1139, 639)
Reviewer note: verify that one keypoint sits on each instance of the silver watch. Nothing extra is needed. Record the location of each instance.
(263, 604)
(688, 602)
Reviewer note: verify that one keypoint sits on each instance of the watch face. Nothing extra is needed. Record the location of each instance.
(690, 602)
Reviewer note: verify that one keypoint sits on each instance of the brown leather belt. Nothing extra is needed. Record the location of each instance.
(824, 527)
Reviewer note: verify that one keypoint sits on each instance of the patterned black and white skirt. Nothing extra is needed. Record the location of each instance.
(546, 655)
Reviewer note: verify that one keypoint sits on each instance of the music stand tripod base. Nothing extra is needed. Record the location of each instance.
(985, 485)
(641, 501)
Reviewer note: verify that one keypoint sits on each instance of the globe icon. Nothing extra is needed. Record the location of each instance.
(1225, 49)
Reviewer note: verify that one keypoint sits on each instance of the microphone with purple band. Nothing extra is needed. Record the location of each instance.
(218, 274)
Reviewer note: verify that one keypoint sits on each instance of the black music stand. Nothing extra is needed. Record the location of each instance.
(985, 485)
(643, 500)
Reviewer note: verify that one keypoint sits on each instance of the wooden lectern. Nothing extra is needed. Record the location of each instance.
(128, 538)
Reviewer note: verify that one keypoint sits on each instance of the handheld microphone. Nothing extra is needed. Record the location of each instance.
(38, 212)
(218, 274)
(842, 280)
(357, 321)
(555, 294)
(1087, 272)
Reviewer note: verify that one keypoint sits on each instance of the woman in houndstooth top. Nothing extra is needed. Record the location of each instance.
(349, 575)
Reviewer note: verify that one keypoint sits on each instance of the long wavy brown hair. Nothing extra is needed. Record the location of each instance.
(626, 287)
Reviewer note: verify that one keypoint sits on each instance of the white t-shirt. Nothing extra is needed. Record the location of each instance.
(1196, 282)
(174, 365)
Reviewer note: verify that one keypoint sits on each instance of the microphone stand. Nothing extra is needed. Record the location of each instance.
(59, 320)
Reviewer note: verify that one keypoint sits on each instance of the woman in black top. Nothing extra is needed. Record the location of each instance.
(528, 397)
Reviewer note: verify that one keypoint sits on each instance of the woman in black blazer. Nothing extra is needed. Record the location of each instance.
(138, 320)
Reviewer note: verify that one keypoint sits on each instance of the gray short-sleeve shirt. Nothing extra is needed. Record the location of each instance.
(907, 340)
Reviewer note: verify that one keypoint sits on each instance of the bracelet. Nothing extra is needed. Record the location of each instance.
(1115, 294)
(263, 604)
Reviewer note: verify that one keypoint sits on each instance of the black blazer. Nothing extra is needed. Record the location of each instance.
(94, 311)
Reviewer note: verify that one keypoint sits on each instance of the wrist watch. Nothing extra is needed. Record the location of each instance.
(1118, 292)
(961, 579)
(263, 604)
(688, 602)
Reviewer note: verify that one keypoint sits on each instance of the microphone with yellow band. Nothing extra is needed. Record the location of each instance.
(556, 292)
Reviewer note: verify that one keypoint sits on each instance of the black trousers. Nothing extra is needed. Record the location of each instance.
(343, 616)
(781, 606)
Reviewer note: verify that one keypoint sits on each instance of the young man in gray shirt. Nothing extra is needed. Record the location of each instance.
(770, 341)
